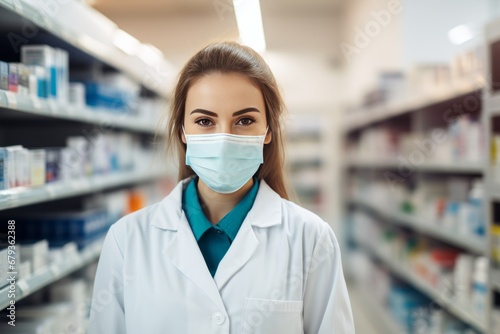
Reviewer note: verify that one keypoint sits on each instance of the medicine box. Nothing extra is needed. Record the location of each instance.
(45, 56)
(13, 77)
(12, 160)
(77, 94)
(4, 177)
(4, 75)
(36, 252)
(59, 228)
(23, 167)
(24, 270)
(52, 164)
(23, 79)
(37, 167)
(42, 82)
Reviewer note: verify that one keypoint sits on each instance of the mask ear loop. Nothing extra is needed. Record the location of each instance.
(265, 134)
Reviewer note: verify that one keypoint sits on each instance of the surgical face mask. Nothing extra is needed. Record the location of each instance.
(224, 162)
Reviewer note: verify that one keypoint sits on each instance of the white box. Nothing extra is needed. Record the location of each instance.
(4, 176)
(76, 94)
(12, 161)
(37, 253)
(37, 167)
(45, 56)
(62, 63)
(21, 157)
(24, 172)
(24, 270)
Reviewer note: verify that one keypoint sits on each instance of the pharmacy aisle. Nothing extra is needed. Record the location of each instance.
(75, 156)
(421, 206)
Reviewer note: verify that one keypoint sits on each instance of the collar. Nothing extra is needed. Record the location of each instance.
(265, 212)
(230, 223)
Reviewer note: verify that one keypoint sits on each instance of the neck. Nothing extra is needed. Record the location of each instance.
(216, 205)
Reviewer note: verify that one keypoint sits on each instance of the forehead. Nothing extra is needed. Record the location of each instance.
(223, 91)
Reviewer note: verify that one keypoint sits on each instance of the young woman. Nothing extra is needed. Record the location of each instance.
(225, 251)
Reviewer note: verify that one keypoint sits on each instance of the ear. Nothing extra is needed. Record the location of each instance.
(269, 137)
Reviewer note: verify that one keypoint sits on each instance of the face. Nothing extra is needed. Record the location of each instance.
(225, 103)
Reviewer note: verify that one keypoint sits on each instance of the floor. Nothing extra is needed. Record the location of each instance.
(363, 318)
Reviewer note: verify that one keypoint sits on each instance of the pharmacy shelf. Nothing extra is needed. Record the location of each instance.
(438, 297)
(54, 272)
(433, 167)
(495, 279)
(21, 196)
(366, 117)
(33, 106)
(44, 16)
(476, 246)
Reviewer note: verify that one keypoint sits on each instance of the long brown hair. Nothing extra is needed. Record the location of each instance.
(228, 57)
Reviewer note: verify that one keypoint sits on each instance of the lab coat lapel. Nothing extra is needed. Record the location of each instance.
(265, 212)
(184, 253)
(241, 250)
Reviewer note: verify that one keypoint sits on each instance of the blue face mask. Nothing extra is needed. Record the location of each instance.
(224, 162)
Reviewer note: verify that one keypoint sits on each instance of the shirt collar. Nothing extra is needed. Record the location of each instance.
(230, 223)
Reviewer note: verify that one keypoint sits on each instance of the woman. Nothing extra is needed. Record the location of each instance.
(225, 251)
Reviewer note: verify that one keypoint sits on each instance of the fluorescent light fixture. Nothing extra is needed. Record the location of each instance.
(249, 20)
(460, 34)
(125, 42)
(149, 54)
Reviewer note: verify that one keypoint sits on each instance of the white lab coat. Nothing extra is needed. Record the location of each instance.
(281, 275)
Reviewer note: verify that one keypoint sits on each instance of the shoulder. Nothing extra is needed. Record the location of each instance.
(300, 220)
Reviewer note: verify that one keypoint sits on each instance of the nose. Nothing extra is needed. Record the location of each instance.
(225, 128)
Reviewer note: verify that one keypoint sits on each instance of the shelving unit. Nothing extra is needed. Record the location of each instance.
(84, 41)
(458, 167)
(381, 113)
(438, 297)
(25, 287)
(20, 106)
(491, 116)
(468, 243)
(21, 196)
(419, 114)
(305, 138)
(88, 37)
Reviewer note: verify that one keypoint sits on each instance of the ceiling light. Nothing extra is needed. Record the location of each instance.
(249, 20)
(125, 42)
(150, 55)
(460, 34)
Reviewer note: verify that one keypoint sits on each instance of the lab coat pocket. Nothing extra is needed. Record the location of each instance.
(264, 316)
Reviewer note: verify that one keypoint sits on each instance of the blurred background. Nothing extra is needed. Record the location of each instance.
(393, 138)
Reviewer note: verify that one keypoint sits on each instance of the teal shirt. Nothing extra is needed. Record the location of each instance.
(214, 240)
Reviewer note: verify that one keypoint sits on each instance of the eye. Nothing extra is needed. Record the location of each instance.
(245, 121)
(204, 122)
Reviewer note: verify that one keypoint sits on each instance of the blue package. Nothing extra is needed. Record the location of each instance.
(3, 169)
(52, 164)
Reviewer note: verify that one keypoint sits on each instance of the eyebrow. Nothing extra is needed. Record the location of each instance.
(237, 113)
